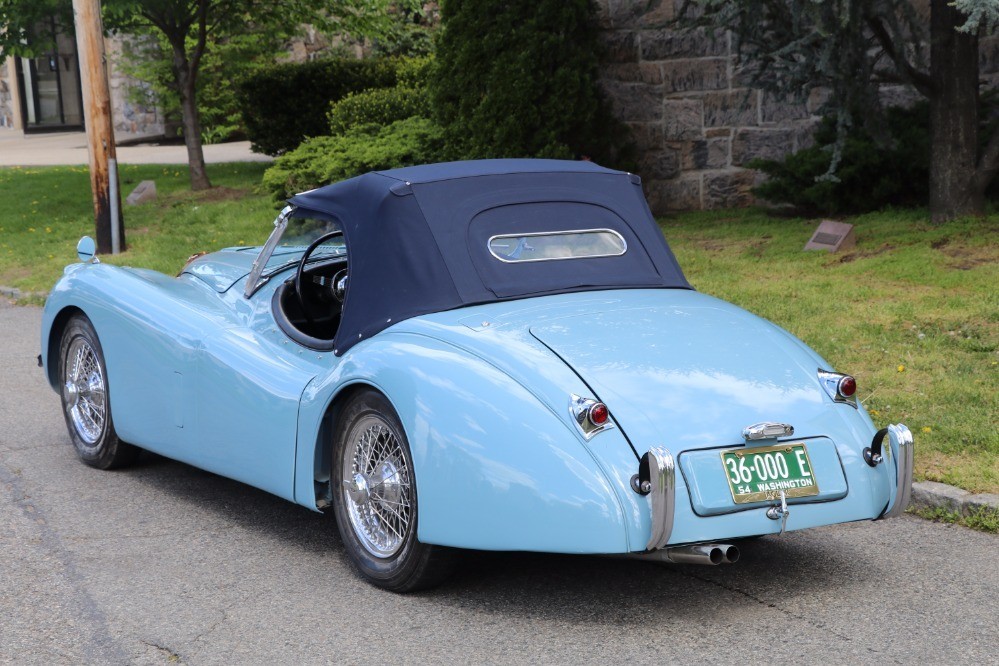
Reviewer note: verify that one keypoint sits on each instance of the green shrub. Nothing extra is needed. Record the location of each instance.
(380, 106)
(518, 78)
(326, 159)
(284, 104)
(415, 72)
(870, 175)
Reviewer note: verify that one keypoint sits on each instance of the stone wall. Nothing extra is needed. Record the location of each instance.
(692, 114)
(131, 112)
(694, 119)
(7, 83)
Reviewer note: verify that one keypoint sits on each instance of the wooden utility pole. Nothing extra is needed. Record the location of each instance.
(100, 126)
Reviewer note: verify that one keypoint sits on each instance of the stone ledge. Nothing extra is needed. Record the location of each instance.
(933, 495)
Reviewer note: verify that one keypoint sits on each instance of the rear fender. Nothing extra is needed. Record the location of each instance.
(495, 468)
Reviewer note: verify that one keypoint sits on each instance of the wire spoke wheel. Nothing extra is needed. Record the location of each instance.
(375, 498)
(85, 398)
(84, 391)
(377, 487)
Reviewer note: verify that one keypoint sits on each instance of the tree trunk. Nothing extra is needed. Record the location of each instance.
(192, 139)
(191, 120)
(953, 116)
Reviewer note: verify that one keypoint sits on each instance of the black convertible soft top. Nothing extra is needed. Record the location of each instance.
(418, 237)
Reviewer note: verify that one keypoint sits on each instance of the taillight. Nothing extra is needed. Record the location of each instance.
(598, 414)
(847, 386)
(591, 416)
(840, 387)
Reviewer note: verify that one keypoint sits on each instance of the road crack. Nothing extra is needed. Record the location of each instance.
(101, 646)
(769, 604)
(171, 656)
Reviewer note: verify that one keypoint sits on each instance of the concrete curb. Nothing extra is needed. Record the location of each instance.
(11, 292)
(933, 495)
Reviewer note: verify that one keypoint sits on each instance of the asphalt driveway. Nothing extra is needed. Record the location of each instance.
(163, 563)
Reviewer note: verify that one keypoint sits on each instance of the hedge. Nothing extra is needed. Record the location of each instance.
(284, 104)
(381, 106)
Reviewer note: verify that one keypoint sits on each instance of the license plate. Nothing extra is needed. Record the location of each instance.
(758, 475)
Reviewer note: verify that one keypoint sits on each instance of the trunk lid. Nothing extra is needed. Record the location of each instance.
(690, 374)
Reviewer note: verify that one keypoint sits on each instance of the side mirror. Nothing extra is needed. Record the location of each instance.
(86, 250)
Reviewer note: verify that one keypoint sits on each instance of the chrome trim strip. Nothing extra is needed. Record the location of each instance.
(901, 446)
(830, 382)
(579, 409)
(280, 223)
(556, 233)
(662, 499)
(767, 430)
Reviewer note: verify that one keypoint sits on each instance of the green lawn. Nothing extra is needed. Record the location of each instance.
(45, 211)
(913, 311)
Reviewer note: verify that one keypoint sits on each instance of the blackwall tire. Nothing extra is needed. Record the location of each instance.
(86, 403)
(375, 501)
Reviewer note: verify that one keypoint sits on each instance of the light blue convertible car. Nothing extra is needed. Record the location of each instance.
(497, 355)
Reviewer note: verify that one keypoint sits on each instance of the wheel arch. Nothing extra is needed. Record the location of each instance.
(55, 333)
(495, 468)
(323, 443)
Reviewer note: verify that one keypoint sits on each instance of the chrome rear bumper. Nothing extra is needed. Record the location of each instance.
(901, 447)
(659, 469)
(657, 479)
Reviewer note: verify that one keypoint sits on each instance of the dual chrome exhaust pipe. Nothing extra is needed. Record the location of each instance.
(711, 554)
(703, 553)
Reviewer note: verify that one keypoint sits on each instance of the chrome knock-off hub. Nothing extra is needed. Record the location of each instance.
(84, 391)
(376, 486)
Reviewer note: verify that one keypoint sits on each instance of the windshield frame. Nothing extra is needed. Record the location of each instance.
(259, 271)
(253, 281)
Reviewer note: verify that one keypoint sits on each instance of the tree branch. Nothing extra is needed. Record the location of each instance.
(919, 79)
(156, 21)
(199, 47)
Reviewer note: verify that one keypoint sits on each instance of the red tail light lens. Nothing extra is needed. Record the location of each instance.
(847, 386)
(598, 414)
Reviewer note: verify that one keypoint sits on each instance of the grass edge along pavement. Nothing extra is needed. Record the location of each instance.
(910, 311)
(947, 504)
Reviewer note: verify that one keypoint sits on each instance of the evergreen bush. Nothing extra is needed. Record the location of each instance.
(871, 174)
(518, 78)
(284, 104)
(364, 148)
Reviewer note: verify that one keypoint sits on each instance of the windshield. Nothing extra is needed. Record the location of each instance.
(291, 236)
(299, 233)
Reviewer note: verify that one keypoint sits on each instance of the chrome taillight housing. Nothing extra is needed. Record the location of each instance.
(591, 416)
(840, 387)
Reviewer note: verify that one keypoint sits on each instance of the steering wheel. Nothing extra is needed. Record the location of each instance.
(299, 292)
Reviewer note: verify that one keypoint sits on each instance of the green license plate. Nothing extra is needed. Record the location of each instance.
(758, 475)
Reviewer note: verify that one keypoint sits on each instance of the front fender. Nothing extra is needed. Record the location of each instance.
(496, 469)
